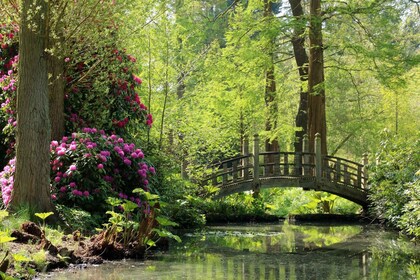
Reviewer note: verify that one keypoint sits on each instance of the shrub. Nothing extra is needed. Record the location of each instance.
(88, 167)
(395, 184)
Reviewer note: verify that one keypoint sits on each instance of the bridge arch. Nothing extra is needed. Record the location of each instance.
(310, 171)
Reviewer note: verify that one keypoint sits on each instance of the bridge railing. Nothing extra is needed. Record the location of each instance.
(274, 164)
(340, 170)
(287, 164)
(231, 170)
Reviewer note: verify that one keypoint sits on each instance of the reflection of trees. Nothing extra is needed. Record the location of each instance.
(289, 239)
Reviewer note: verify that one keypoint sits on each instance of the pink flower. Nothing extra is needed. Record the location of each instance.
(127, 161)
(86, 193)
(73, 167)
(100, 166)
(57, 179)
(61, 152)
(152, 170)
(137, 80)
(66, 59)
(72, 185)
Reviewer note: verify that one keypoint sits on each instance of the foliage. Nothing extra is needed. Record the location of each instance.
(88, 167)
(108, 101)
(75, 218)
(8, 83)
(395, 184)
(136, 225)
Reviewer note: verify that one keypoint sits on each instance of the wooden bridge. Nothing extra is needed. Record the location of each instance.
(310, 171)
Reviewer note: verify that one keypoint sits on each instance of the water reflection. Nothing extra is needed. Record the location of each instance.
(272, 252)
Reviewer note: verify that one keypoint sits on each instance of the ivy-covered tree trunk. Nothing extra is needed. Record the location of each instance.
(32, 177)
(316, 102)
(298, 42)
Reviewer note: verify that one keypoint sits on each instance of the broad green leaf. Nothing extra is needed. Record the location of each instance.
(21, 258)
(164, 221)
(44, 215)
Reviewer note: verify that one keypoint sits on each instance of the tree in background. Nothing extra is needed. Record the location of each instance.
(317, 122)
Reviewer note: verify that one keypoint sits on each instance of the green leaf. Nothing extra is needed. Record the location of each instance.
(113, 201)
(129, 206)
(21, 258)
(164, 221)
(44, 215)
(166, 233)
(147, 195)
(4, 238)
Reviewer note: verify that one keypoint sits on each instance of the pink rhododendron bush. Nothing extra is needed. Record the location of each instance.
(89, 164)
(88, 167)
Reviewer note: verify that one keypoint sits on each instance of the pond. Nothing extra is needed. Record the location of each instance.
(271, 251)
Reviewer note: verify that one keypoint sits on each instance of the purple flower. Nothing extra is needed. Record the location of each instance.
(127, 161)
(86, 193)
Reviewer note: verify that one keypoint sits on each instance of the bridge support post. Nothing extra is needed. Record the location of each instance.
(365, 171)
(318, 156)
(256, 158)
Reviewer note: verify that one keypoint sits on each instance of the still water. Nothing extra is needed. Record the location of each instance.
(271, 251)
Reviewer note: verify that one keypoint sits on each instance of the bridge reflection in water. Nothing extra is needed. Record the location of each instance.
(310, 171)
(295, 253)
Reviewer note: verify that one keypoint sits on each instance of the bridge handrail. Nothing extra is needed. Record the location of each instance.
(236, 158)
(344, 160)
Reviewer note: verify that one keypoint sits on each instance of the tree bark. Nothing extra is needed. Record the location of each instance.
(316, 101)
(302, 61)
(269, 96)
(32, 176)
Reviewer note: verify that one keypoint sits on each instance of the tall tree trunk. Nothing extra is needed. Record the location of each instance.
(316, 102)
(298, 42)
(269, 96)
(32, 177)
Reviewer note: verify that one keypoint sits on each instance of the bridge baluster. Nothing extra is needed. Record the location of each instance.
(225, 175)
(297, 171)
(306, 159)
(338, 170)
(235, 171)
(276, 169)
(286, 164)
(245, 161)
(256, 158)
(346, 175)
